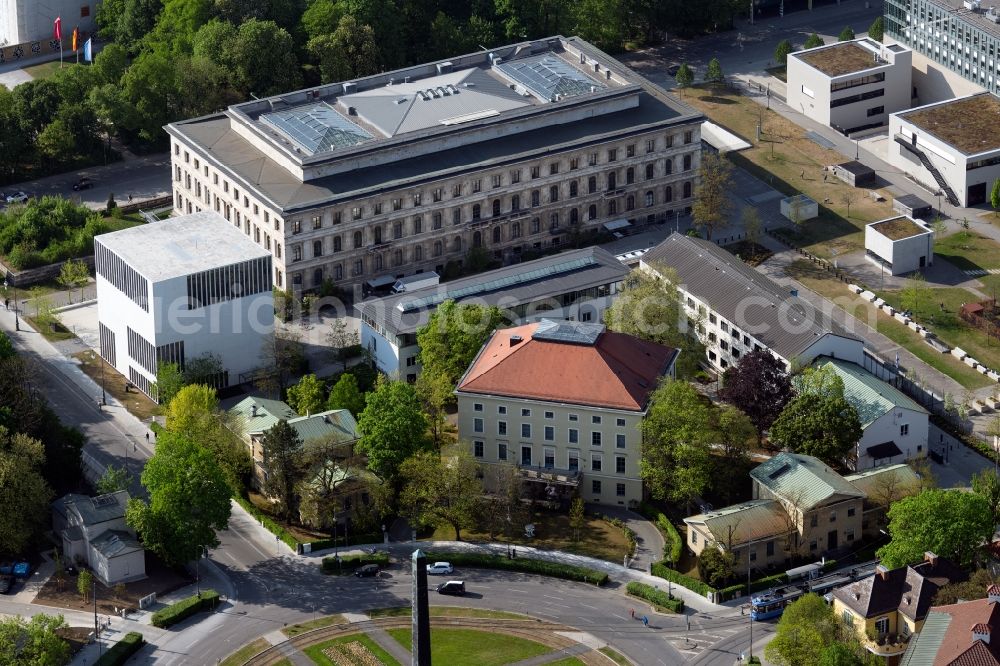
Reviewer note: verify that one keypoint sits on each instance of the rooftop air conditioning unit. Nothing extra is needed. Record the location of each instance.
(349, 87)
(444, 67)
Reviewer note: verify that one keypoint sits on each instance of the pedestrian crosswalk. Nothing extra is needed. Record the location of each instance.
(976, 272)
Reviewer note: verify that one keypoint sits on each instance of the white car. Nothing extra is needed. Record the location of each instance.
(439, 568)
(17, 198)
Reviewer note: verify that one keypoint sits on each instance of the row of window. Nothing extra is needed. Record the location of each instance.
(595, 419)
(125, 279)
(549, 433)
(549, 458)
(227, 283)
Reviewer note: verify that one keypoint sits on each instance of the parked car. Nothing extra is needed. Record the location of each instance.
(367, 571)
(672, 69)
(439, 568)
(22, 569)
(17, 198)
(70, 570)
(456, 587)
(6, 583)
(83, 184)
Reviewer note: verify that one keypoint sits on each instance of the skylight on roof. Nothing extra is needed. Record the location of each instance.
(548, 77)
(568, 331)
(317, 128)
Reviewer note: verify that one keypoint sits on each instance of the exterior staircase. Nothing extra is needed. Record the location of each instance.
(922, 156)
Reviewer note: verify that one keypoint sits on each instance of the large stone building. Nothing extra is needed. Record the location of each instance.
(522, 146)
(26, 21)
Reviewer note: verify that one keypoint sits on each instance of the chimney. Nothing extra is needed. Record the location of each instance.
(931, 558)
(882, 572)
(253, 411)
(515, 340)
(993, 593)
(981, 632)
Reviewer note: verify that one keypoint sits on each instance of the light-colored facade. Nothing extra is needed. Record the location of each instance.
(900, 245)
(736, 309)
(175, 290)
(562, 402)
(93, 531)
(578, 285)
(950, 146)
(850, 86)
(23, 21)
(516, 148)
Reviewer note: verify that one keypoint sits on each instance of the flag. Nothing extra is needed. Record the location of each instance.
(76, 32)
(57, 29)
(87, 57)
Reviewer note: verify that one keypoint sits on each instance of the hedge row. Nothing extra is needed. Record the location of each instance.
(347, 565)
(269, 523)
(553, 569)
(655, 596)
(185, 608)
(674, 544)
(120, 652)
(626, 531)
(661, 570)
(351, 540)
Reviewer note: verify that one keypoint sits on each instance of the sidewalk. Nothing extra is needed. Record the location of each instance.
(649, 541)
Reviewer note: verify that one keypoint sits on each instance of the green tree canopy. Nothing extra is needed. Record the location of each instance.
(782, 51)
(839, 654)
(348, 52)
(711, 208)
(877, 29)
(113, 480)
(951, 523)
(759, 386)
(846, 35)
(453, 335)
(24, 494)
(126, 22)
(34, 642)
(188, 500)
(345, 394)
(307, 397)
(393, 428)
(684, 76)
(282, 460)
(820, 421)
(812, 41)
(713, 73)
(805, 629)
(441, 492)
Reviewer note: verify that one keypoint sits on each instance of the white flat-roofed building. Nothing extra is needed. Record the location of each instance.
(951, 147)
(850, 85)
(171, 291)
(511, 149)
(899, 244)
(23, 21)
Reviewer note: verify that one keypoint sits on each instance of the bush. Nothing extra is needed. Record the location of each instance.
(120, 652)
(349, 564)
(655, 596)
(185, 608)
(541, 567)
(661, 570)
(768, 581)
(674, 543)
(626, 530)
(351, 540)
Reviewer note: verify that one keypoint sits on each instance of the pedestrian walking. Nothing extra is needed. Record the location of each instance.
(6, 303)
(130, 198)
(632, 612)
(645, 621)
(147, 438)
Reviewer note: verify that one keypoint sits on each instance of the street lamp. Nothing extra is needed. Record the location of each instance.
(104, 395)
(9, 280)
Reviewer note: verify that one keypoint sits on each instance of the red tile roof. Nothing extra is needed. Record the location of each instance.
(617, 371)
(958, 647)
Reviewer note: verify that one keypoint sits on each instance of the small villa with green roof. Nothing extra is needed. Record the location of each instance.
(895, 428)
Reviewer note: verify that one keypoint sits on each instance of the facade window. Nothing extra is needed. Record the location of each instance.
(687, 190)
(650, 145)
(573, 188)
(904, 430)
(536, 225)
(592, 184)
(613, 155)
(296, 226)
(515, 203)
(418, 253)
(477, 425)
(515, 176)
(554, 193)
(649, 199)
(630, 202)
(596, 462)
(554, 168)
(620, 422)
(595, 487)
(477, 449)
(573, 436)
(456, 217)
(477, 211)
(549, 458)
(574, 163)
(688, 136)
(477, 185)
(296, 253)
(317, 222)
(620, 441)
(358, 240)
(668, 194)
(592, 212)
(535, 172)
(630, 150)
(502, 451)
(317, 248)
(502, 428)
(496, 180)
(535, 198)
(526, 456)
(438, 248)
(687, 162)
(572, 461)
(595, 438)
(418, 225)
(437, 194)
(525, 431)
(397, 230)
(496, 208)
(378, 208)
(550, 434)
(619, 490)
(526, 412)
(619, 464)
(850, 512)
(573, 418)
(629, 175)
(417, 198)
(515, 230)
(668, 166)
(550, 415)
(649, 171)
(612, 208)
(669, 141)
(436, 220)
(592, 159)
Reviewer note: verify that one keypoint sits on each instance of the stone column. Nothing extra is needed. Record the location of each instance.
(421, 627)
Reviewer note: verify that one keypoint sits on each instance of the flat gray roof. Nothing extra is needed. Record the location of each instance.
(508, 287)
(180, 246)
(980, 19)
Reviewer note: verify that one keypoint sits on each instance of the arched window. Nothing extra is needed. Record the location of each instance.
(317, 248)
(670, 165)
(536, 198)
(592, 212)
(397, 258)
(418, 253)
(515, 230)
(477, 211)
(592, 184)
(574, 216)
(338, 272)
(378, 235)
(457, 244)
(496, 207)
(612, 208)
(649, 199)
(438, 248)
(612, 180)
(687, 190)
(497, 234)
(630, 202)
(378, 262)
(536, 225)
(337, 247)
(649, 172)
(317, 277)
(515, 202)
(687, 162)
(554, 193)
(477, 239)
(574, 188)
(357, 239)
(629, 176)
(668, 194)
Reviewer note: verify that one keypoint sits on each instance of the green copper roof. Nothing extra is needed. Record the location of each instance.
(924, 646)
(802, 480)
(868, 481)
(338, 422)
(868, 394)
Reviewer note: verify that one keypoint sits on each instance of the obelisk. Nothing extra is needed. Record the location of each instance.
(421, 629)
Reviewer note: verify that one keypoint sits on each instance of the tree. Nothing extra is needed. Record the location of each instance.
(440, 492)
(189, 406)
(974, 588)
(839, 654)
(188, 500)
(328, 465)
(752, 226)
(676, 434)
(342, 340)
(283, 355)
(34, 642)
(346, 395)
(239, 53)
(812, 41)
(56, 142)
(113, 480)
(782, 51)
(848, 198)
(877, 29)
(306, 397)
(204, 369)
(804, 630)
(84, 583)
(827, 428)
(393, 428)
(735, 435)
(995, 196)
(576, 517)
(759, 386)
(914, 294)
(713, 73)
(684, 76)
(436, 393)
(74, 274)
(715, 566)
(282, 449)
(126, 22)
(986, 483)
(348, 52)
(24, 494)
(846, 35)
(950, 523)
(453, 335)
(648, 307)
(711, 203)
(169, 381)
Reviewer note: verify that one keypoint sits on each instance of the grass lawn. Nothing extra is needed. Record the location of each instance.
(552, 532)
(315, 652)
(968, 250)
(244, 653)
(114, 384)
(53, 331)
(469, 647)
(793, 164)
(615, 656)
(818, 281)
(303, 627)
(447, 611)
(46, 69)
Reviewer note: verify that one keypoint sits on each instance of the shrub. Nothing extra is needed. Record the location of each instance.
(674, 543)
(349, 564)
(661, 570)
(120, 652)
(655, 596)
(626, 530)
(541, 567)
(269, 523)
(184, 609)
(350, 540)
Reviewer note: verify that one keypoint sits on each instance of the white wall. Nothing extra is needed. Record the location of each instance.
(32, 20)
(935, 82)
(386, 354)
(122, 568)
(903, 254)
(888, 428)
(835, 346)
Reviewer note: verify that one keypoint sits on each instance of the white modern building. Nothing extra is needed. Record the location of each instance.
(852, 85)
(179, 289)
(25, 21)
(94, 532)
(504, 150)
(951, 147)
(736, 309)
(577, 285)
(894, 427)
(900, 244)
(562, 403)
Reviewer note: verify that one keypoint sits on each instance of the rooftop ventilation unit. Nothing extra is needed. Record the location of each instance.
(444, 67)
(406, 79)
(391, 82)
(992, 15)
(349, 87)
